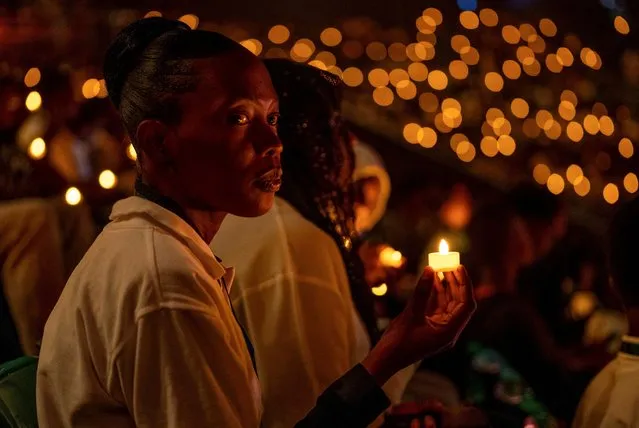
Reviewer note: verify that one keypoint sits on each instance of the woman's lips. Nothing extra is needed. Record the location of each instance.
(271, 181)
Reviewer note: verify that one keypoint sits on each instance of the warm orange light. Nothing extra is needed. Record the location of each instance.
(489, 146)
(567, 110)
(353, 76)
(255, 47)
(519, 108)
(591, 124)
(574, 173)
(458, 69)
(582, 186)
(606, 126)
(37, 149)
(428, 102)
(489, 17)
(428, 138)
(32, 77)
(73, 196)
(631, 183)
(621, 25)
(575, 132)
(413, 132)
(191, 20)
(470, 56)
(548, 27)
(511, 69)
(279, 34)
(418, 71)
(397, 52)
(611, 193)
(469, 19)
(33, 101)
(383, 96)
(378, 77)
(626, 148)
(511, 34)
(434, 14)
(301, 50)
(494, 82)
(438, 80)
(541, 173)
(331, 36)
(555, 184)
(376, 51)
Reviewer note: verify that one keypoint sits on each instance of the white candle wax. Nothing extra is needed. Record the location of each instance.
(444, 260)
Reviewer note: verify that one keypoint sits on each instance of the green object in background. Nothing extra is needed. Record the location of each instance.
(18, 393)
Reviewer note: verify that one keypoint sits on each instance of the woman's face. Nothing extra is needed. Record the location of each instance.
(224, 152)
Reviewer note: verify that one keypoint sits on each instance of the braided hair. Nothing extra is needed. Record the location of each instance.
(318, 163)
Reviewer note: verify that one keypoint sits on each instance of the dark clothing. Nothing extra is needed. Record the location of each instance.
(354, 400)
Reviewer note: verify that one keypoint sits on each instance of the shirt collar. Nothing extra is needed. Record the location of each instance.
(136, 206)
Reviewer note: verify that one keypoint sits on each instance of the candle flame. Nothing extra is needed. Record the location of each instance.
(443, 246)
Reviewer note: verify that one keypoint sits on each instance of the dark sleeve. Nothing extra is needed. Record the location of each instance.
(354, 400)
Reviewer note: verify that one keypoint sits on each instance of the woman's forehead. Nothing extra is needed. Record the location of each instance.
(236, 76)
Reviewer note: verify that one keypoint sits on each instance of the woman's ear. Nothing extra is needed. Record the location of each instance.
(150, 137)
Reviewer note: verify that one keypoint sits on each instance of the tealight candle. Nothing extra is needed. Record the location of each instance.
(391, 257)
(444, 260)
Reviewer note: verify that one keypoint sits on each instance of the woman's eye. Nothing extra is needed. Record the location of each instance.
(274, 119)
(239, 119)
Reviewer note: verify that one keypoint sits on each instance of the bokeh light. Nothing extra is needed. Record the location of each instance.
(191, 20)
(428, 138)
(459, 42)
(494, 82)
(32, 77)
(621, 25)
(438, 80)
(489, 17)
(413, 132)
(548, 27)
(279, 34)
(33, 101)
(383, 96)
(469, 20)
(428, 102)
(489, 146)
(378, 77)
(255, 47)
(541, 173)
(611, 193)
(626, 148)
(555, 184)
(591, 124)
(511, 69)
(37, 149)
(470, 56)
(520, 108)
(631, 183)
(107, 179)
(376, 51)
(353, 76)
(567, 110)
(73, 196)
(434, 14)
(574, 173)
(458, 69)
(582, 186)
(575, 131)
(331, 36)
(511, 34)
(397, 52)
(131, 153)
(418, 71)
(606, 126)
(506, 145)
(301, 50)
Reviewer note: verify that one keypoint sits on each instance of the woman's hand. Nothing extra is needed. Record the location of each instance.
(431, 322)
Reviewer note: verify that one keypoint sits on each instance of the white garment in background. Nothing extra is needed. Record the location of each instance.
(612, 398)
(143, 334)
(292, 295)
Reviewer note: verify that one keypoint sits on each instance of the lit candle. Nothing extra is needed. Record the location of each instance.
(391, 257)
(444, 260)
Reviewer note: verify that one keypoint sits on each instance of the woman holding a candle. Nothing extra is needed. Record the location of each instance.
(300, 285)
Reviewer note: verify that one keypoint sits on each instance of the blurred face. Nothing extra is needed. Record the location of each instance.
(224, 154)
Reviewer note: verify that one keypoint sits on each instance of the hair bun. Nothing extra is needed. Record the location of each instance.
(123, 54)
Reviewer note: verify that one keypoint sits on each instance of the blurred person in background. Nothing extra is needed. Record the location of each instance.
(612, 398)
(301, 290)
(144, 333)
(32, 260)
(510, 325)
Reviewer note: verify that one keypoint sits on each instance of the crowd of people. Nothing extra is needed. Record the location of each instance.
(234, 288)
